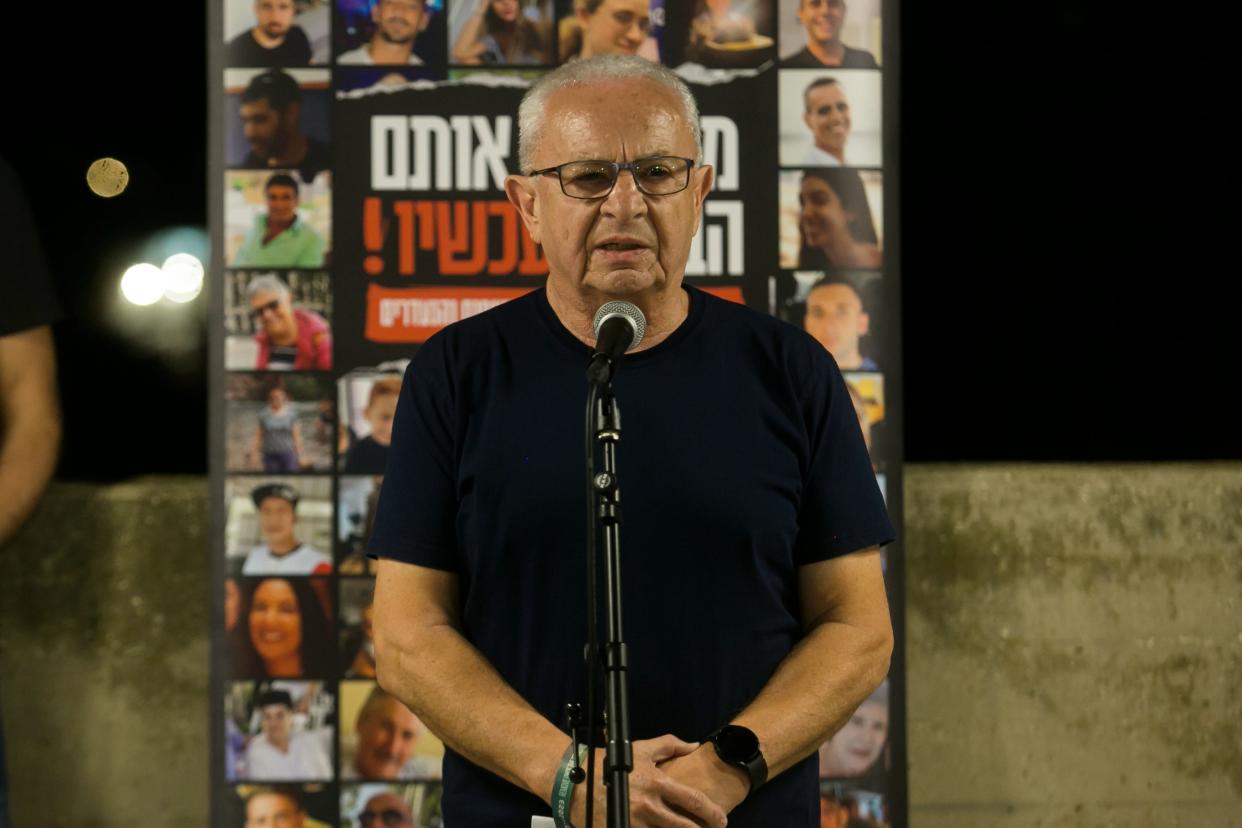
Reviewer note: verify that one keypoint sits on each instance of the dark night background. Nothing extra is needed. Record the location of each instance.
(1069, 219)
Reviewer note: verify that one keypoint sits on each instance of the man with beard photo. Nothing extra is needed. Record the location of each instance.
(273, 41)
(397, 24)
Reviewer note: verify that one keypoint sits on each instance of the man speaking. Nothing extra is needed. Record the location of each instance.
(752, 586)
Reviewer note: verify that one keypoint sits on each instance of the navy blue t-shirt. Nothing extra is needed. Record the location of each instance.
(740, 460)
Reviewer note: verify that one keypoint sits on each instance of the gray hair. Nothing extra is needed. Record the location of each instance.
(268, 282)
(599, 69)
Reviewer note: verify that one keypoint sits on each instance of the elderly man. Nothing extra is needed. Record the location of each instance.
(274, 807)
(271, 116)
(823, 20)
(386, 810)
(280, 238)
(398, 23)
(385, 733)
(289, 339)
(280, 752)
(827, 116)
(754, 602)
(274, 40)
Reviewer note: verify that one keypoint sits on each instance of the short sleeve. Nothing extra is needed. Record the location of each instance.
(27, 299)
(841, 509)
(416, 516)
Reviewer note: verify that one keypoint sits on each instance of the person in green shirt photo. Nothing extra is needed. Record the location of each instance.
(279, 238)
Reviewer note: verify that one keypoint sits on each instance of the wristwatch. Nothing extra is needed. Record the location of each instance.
(739, 746)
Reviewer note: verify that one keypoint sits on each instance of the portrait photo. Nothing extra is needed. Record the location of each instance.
(830, 119)
(358, 497)
(276, 33)
(278, 525)
(817, 33)
(831, 218)
(278, 422)
(281, 805)
(277, 119)
(606, 27)
(501, 32)
(840, 309)
(367, 402)
(278, 731)
(283, 629)
(381, 740)
(277, 320)
(411, 805)
(357, 630)
(391, 33)
(277, 220)
(723, 34)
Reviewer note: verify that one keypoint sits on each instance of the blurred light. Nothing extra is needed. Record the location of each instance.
(143, 284)
(107, 177)
(183, 277)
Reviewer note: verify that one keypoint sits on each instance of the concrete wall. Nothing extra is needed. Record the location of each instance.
(1074, 649)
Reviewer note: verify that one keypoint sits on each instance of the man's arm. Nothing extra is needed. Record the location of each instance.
(817, 687)
(422, 658)
(30, 423)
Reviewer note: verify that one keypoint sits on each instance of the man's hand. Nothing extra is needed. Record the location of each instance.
(704, 771)
(657, 799)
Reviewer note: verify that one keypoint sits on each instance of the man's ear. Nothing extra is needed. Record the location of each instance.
(521, 192)
(706, 175)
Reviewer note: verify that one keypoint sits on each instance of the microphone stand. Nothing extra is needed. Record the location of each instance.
(604, 425)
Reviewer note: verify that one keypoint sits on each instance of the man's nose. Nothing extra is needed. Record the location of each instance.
(625, 199)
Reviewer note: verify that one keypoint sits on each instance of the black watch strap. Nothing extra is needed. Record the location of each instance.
(739, 746)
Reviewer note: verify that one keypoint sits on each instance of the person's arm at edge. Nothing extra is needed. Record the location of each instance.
(842, 658)
(31, 422)
(298, 448)
(466, 49)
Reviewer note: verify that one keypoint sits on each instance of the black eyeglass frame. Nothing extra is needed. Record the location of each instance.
(617, 168)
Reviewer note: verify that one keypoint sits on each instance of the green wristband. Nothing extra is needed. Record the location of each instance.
(563, 788)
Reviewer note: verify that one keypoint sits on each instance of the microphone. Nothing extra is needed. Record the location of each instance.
(619, 326)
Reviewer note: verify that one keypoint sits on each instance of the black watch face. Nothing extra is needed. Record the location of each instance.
(737, 744)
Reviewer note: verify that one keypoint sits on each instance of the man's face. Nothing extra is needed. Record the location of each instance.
(386, 736)
(276, 519)
(282, 204)
(277, 723)
(385, 806)
(398, 21)
(835, 317)
(857, 745)
(628, 244)
(822, 19)
(273, 311)
(275, 17)
(264, 128)
(273, 810)
(618, 27)
(828, 117)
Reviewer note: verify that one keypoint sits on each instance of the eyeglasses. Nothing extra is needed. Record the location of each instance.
(272, 306)
(389, 817)
(626, 19)
(660, 175)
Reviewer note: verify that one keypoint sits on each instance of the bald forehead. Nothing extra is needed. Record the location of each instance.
(634, 116)
(387, 800)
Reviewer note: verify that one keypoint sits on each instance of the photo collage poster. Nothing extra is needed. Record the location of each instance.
(358, 154)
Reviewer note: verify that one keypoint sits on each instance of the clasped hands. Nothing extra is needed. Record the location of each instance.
(674, 784)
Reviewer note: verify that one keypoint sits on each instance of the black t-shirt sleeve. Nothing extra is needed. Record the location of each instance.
(299, 47)
(26, 296)
(841, 509)
(416, 516)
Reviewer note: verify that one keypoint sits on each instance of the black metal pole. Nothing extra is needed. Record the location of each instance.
(619, 754)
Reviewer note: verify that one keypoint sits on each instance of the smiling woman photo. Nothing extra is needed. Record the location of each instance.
(282, 630)
(835, 223)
